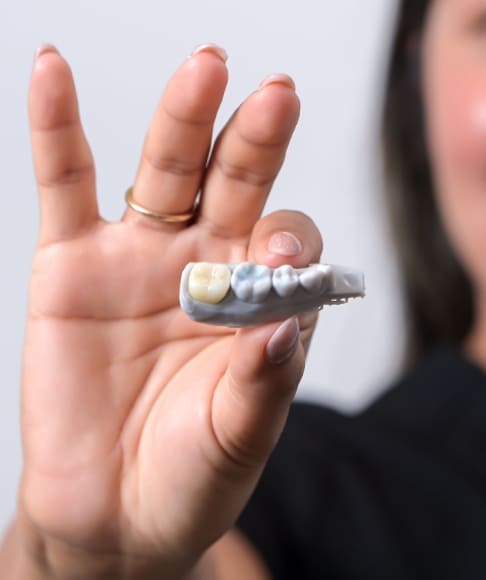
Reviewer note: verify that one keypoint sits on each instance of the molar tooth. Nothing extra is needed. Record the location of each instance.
(315, 278)
(285, 281)
(251, 282)
(209, 283)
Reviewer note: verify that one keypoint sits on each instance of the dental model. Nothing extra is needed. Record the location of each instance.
(249, 294)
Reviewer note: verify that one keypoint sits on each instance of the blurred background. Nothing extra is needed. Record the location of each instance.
(122, 54)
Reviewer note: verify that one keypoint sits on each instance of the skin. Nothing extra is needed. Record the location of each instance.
(454, 82)
(144, 433)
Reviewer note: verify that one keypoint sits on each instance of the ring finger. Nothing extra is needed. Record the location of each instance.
(178, 141)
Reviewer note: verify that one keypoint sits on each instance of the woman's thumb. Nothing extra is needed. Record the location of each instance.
(252, 400)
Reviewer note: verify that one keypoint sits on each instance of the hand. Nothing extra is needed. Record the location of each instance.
(144, 433)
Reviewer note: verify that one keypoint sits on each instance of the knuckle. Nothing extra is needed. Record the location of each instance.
(173, 165)
(66, 176)
(243, 174)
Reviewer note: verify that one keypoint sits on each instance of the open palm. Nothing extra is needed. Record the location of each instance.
(144, 432)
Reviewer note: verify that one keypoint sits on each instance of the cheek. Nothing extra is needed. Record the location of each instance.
(456, 113)
(457, 128)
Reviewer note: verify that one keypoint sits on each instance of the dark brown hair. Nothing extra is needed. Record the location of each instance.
(438, 296)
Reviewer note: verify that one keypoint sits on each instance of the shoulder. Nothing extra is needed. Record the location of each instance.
(440, 389)
(434, 397)
(427, 404)
(408, 462)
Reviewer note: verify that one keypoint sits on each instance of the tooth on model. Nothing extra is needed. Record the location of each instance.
(209, 283)
(285, 281)
(251, 282)
(315, 278)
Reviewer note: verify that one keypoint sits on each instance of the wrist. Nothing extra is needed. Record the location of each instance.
(24, 553)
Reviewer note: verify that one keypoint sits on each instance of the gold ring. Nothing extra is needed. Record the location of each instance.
(170, 218)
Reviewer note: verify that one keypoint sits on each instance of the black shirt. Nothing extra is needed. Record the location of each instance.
(397, 491)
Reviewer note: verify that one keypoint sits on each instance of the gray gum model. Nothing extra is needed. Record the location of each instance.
(337, 284)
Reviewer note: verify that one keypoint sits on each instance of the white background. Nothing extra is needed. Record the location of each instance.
(122, 54)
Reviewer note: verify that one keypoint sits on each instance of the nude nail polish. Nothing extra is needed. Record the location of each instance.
(283, 342)
(44, 49)
(213, 48)
(280, 79)
(284, 244)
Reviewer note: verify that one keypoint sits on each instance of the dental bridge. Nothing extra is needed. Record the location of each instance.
(249, 294)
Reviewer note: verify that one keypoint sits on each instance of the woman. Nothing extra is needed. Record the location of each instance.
(145, 434)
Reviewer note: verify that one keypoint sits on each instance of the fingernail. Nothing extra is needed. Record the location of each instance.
(44, 49)
(279, 79)
(285, 244)
(283, 342)
(214, 48)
